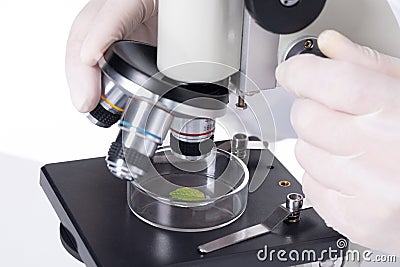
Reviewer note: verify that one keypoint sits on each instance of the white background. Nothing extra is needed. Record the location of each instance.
(39, 125)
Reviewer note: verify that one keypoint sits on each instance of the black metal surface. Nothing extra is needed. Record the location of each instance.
(92, 205)
(138, 63)
(273, 16)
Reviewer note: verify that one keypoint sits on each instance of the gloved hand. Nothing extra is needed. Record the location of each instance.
(98, 25)
(347, 120)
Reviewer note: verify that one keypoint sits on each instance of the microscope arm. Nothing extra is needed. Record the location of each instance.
(263, 23)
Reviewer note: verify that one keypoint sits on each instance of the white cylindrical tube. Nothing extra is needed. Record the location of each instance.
(199, 40)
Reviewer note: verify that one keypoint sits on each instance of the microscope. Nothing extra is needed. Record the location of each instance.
(182, 87)
(183, 198)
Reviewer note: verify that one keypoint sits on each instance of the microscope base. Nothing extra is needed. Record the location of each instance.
(98, 228)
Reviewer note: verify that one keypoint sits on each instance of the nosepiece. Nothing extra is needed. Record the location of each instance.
(145, 102)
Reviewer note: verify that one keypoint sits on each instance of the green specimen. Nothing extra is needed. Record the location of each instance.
(187, 194)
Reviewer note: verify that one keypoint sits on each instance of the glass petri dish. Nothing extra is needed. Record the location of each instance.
(190, 196)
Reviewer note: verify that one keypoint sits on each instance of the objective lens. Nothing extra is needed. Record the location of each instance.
(192, 139)
(144, 125)
(111, 105)
(116, 160)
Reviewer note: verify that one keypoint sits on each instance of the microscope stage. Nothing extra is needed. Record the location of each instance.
(98, 228)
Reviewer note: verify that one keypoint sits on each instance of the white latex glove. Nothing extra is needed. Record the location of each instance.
(98, 25)
(347, 119)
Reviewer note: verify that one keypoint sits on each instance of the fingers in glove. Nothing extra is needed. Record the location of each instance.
(116, 19)
(336, 46)
(333, 206)
(339, 85)
(333, 131)
(83, 80)
(334, 172)
(353, 216)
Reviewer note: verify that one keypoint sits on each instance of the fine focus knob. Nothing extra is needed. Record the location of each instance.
(304, 45)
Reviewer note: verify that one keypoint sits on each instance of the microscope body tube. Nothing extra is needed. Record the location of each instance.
(199, 40)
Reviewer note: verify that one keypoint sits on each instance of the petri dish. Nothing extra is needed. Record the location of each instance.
(190, 196)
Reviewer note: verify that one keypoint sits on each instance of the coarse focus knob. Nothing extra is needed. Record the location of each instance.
(284, 16)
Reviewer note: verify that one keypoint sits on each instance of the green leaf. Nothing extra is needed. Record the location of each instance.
(187, 194)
